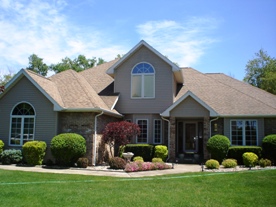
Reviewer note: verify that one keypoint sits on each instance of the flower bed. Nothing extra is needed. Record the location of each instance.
(145, 166)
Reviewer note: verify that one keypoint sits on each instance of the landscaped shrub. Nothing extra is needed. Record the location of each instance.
(138, 158)
(229, 163)
(145, 166)
(161, 151)
(67, 148)
(143, 150)
(218, 146)
(82, 162)
(11, 156)
(156, 159)
(117, 163)
(250, 159)
(236, 152)
(212, 164)
(269, 147)
(264, 162)
(34, 152)
(1, 146)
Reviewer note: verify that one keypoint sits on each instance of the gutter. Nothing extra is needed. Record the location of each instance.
(210, 123)
(95, 138)
(169, 137)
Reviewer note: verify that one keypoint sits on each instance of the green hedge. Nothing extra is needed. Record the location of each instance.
(236, 152)
(144, 150)
(269, 147)
(34, 152)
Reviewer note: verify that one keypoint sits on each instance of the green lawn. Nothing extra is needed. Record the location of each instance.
(247, 188)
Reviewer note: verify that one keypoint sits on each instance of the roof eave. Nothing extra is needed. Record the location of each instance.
(97, 109)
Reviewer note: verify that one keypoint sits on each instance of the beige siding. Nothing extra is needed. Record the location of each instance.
(189, 108)
(163, 85)
(46, 118)
(227, 129)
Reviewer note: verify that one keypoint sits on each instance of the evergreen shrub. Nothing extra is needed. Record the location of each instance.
(67, 148)
(229, 163)
(82, 162)
(161, 151)
(11, 156)
(264, 162)
(250, 159)
(218, 146)
(34, 152)
(269, 147)
(1, 146)
(117, 163)
(157, 159)
(212, 164)
(236, 152)
(138, 158)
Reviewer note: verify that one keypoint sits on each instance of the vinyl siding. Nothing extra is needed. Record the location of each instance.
(227, 129)
(46, 118)
(163, 84)
(189, 108)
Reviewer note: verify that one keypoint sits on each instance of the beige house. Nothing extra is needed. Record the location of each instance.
(175, 106)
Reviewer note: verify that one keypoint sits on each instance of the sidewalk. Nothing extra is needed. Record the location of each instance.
(104, 171)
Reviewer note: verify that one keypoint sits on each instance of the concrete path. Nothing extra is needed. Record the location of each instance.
(104, 171)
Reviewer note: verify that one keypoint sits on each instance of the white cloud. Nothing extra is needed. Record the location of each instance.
(42, 28)
(183, 43)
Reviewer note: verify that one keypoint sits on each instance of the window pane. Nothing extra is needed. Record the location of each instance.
(157, 131)
(143, 137)
(251, 132)
(136, 86)
(148, 85)
(236, 132)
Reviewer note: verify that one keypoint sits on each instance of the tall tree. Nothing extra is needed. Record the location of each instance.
(261, 72)
(100, 61)
(5, 79)
(36, 64)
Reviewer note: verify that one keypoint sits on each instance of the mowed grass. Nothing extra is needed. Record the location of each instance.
(247, 188)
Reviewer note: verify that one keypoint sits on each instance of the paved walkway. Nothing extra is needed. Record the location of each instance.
(104, 171)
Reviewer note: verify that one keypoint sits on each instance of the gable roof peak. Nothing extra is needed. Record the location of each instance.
(110, 71)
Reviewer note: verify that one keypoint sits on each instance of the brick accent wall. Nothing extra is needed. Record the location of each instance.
(83, 123)
(206, 136)
(172, 139)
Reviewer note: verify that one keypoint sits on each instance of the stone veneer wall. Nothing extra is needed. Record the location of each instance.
(270, 126)
(83, 123)
(206, 136)
(172, 139)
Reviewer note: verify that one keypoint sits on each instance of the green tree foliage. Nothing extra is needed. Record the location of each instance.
(5, 79)
(100, 61)
(36, 64)
(78, 64)
(261, 72)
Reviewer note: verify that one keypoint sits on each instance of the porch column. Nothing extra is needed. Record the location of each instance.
(172, 139)
(206, 134)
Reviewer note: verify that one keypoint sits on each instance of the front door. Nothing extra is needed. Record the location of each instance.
(190, 138)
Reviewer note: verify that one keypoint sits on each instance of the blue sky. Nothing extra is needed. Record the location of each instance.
(210, 36)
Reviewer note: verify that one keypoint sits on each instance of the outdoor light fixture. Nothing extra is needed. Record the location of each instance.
(215, 127)
(202, 167)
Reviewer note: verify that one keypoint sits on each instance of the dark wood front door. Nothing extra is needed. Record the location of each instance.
(190, 138)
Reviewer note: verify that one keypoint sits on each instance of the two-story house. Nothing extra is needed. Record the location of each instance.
(175, 106)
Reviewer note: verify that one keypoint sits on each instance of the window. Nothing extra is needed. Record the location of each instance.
(143, 137)
(157, 131)
(142, 81)
(244, 132)
(22, 124)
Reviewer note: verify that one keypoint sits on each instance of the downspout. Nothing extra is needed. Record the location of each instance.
(95, 138)
(210, 123)
(169, 129)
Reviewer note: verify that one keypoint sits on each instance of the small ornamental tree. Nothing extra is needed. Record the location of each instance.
(119, 133)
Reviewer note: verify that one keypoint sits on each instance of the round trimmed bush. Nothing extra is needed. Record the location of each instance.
(117, 163)
(1, 146)
(218, 146)
(269, 147)
(82, 162)
(229, 163)
(250, 159)
(138, 158)
(161, 151)
(212, 164)
(264, 162)
(67, 148)
(156, 159)
(34, 152)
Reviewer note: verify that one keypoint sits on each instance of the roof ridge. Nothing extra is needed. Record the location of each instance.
(37, 74)
(240, 90)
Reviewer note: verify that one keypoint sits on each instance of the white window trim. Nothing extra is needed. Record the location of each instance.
(243, 130)
(161, 127)
(22, 123)
(142, 86)
(147, 131)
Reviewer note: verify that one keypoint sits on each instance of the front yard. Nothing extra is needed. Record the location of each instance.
(245, 188)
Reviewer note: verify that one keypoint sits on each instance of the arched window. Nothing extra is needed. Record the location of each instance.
(143, 81)
(22, 124)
